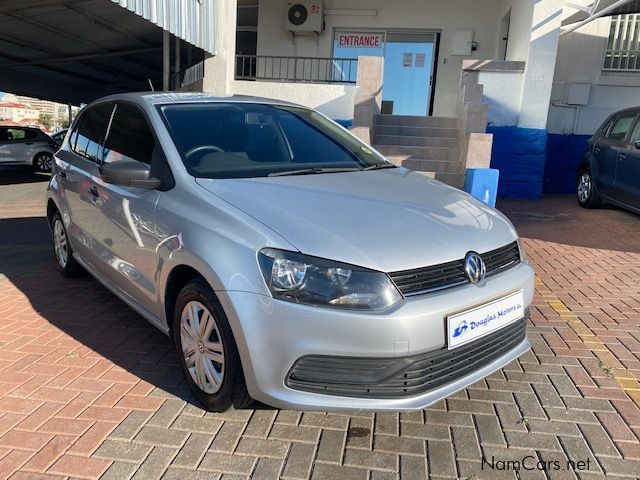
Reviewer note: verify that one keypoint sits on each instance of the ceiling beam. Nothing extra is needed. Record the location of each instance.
(76, 58)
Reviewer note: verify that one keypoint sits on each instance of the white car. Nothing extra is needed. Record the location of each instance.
(26, 146)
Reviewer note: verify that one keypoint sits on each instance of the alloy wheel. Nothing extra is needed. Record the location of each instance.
(44, 162)
(60, 244)
(202, 347)
(584, 187)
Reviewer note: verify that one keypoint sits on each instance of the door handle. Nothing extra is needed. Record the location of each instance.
(94, 191)
(596, 149)
(622, 156)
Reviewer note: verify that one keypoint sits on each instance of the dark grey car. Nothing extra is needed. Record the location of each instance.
(610, 171)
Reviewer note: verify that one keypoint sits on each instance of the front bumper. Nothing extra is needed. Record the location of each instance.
(272, 335)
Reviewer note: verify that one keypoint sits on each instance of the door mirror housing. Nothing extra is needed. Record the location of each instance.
(637, 144)
(129, 173)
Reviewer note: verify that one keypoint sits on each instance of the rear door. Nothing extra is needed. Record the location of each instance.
(18, 145)
(605, 152)
(628, 170)
(79, 169)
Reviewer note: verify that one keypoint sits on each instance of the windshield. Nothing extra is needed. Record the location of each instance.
(241, 140)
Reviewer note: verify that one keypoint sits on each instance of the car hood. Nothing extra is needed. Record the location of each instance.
(386, 220)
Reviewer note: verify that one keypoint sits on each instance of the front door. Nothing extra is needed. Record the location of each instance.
(409, 66)
(408, 73)
(628, 171)
(605, 153)
(126, 216)
(16, 144)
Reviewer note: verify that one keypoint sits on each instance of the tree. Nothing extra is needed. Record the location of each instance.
(46, 120)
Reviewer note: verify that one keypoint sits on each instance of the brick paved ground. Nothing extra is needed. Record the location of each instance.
(88, 389)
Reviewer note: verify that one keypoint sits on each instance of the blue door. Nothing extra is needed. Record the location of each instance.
(408, 73)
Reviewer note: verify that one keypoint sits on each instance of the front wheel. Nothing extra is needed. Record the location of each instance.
(42, 162)
(587, 195)
(206, 349)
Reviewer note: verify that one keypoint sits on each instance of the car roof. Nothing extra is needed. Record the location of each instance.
(165, 98)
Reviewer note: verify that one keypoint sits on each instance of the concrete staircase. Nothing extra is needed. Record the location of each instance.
(425, 144)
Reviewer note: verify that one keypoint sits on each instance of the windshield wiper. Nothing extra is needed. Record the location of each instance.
(310, 171)
(380, 166)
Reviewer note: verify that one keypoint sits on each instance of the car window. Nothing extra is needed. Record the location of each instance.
(20, 134)
(89, 134)
(245, 140)
(130, 137)
(635, 134)
(621, 126)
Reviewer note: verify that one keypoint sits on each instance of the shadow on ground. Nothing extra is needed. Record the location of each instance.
(559, 219)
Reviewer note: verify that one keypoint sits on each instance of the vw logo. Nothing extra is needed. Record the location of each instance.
(474, 267)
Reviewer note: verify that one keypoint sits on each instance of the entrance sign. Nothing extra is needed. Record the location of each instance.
(361, 40)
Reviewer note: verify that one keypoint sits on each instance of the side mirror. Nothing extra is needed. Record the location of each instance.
(129, 173)
(637, 144)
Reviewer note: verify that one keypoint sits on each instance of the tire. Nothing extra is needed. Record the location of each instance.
(62, 252)
(42, 162)
(586, 191)
(214, 372)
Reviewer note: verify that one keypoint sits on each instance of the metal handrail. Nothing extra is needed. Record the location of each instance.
(189, 75)
(296, 69)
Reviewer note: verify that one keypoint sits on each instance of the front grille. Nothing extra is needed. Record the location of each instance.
(446, 275)
(401, 377)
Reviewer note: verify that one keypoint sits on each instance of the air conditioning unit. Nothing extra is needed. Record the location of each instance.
(304, 16)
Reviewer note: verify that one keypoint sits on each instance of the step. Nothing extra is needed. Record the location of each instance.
(427, 153)
(416, 131)
(413, 141)
(424, 165)
(453, 179)
(411, 121)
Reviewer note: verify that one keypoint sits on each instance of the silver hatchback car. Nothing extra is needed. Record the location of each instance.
(291, 263)
(26, 146)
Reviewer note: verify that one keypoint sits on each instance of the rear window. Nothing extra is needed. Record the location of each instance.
(223, 140)
(621, 126)
(21, 134)
(88, 136)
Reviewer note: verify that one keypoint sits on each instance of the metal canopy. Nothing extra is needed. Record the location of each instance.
(597, 9)
(74, 51)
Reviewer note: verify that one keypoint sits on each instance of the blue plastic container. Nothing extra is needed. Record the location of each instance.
(482, 183)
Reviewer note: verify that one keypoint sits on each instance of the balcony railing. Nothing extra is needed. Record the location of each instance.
(296, 69)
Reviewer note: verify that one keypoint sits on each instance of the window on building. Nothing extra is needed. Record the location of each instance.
(623, 46)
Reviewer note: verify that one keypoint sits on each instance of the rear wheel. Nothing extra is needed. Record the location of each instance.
(587, 195)
(42, 162)
(206, 349)
(67, 265)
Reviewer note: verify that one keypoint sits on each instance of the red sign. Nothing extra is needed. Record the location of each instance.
(362, 40)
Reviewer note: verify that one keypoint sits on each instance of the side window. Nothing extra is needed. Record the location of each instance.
(3, 135)
(90, 132)
(635, 135)
(130, 137)
(620, 127)
(16, 134)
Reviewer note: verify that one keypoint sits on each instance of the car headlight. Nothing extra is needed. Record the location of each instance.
(299, 278)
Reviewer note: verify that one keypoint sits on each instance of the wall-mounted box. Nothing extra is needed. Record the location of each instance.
(462, 43)
(579, 94)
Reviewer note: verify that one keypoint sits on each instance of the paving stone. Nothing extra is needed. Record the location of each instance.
(161, 436)
(267, 469)
(166, 414)
(190, 423)
(331, 446)
(193, 450)
(398, 445)
(466, 443)
(298, 464)
(124, 451)
(262, 447)
(328, 471)
(182, 474)
(227, 437)
(295, 433)
(489, 431)
(130, 427)
(537, 441)
(371, 459)
(260, 423)
(155, 464)
(226, 463)
(441, 460)
(120, 471)
(413, 468)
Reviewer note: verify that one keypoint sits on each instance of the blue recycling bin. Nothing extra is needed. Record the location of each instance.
(482, 183)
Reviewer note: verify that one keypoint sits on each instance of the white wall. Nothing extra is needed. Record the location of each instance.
(580, 60)
(502, 92)
(405, 14)
(335, 101)
(519, 29)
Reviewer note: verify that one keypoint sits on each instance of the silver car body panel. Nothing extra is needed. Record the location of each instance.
(386, 220)
(23, 151)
